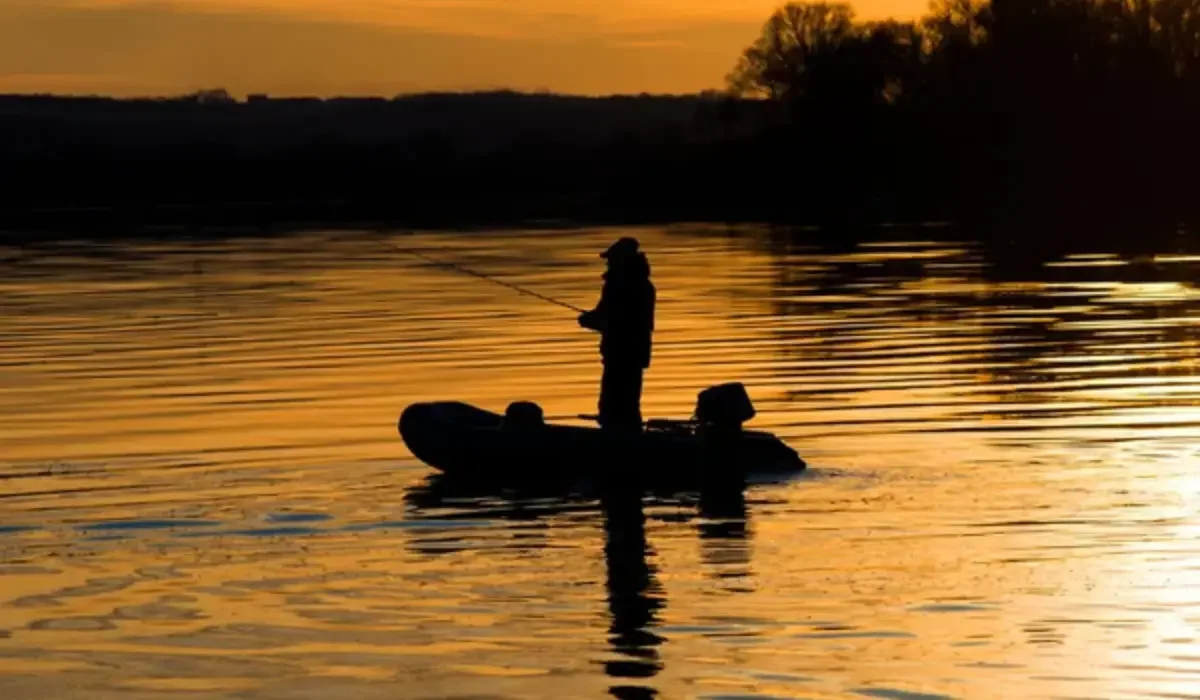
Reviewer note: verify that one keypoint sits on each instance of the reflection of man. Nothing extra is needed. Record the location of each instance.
(635, 596)
(624, 317)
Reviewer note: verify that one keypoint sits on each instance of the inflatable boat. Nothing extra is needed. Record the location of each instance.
(460, 439)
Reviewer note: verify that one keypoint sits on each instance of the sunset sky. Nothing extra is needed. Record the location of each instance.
(379, 47)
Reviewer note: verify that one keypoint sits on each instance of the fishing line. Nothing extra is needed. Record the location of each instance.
(489, 278)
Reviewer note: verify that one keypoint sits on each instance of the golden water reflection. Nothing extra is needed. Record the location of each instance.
(203, 491)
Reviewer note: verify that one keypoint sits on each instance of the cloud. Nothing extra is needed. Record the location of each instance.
(65, 82)
(549, 20)
(653, 44)
(126, 49)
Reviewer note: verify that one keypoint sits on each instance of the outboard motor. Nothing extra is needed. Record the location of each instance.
(724, 408)
(720, 412)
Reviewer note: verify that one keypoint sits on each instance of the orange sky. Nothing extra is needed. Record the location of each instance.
(326, 47)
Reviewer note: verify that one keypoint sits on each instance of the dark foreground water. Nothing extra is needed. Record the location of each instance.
(202, 493)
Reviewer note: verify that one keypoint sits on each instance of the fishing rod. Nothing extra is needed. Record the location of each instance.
(489, 278)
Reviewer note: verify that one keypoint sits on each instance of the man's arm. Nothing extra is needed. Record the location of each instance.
(597, 318)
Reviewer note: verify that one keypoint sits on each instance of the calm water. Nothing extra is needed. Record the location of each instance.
(203, 494)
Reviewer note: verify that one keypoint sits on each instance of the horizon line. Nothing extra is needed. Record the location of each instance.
(220, 95)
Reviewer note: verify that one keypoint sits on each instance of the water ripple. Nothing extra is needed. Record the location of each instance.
(204, 492)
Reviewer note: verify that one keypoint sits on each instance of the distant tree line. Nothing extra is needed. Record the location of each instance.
(420, 159)
(1028, 105)
(1003, 111)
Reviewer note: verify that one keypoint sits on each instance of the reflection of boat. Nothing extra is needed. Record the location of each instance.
(439, 496)
(458, 438)
(635, 595)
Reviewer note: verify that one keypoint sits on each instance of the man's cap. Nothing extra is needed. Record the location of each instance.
(623, 248)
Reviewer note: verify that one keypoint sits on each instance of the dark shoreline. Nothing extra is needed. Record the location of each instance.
(104, 169)
(1038, 233)
(282, 218)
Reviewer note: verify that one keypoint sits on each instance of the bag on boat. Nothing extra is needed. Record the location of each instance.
(523, 415)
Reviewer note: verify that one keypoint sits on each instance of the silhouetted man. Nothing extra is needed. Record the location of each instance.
(625, 320)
